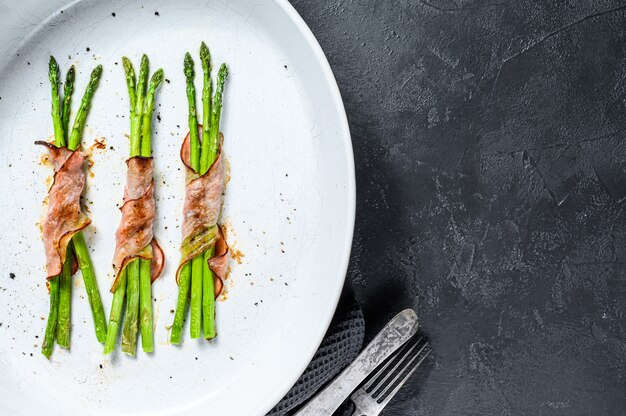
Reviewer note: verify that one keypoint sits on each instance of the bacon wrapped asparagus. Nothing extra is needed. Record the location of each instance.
(64, 243)
(203, 262)
(138, 258)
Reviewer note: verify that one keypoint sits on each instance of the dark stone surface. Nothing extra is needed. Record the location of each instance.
(490, 146)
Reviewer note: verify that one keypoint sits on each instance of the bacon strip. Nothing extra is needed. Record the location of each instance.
(203, 203)
(134, 237)
(64, 217)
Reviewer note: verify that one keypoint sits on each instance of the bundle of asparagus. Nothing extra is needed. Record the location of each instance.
(203, 248)
(64, 221)
(138, 259)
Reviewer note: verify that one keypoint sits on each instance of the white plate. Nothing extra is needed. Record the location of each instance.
(289, 205)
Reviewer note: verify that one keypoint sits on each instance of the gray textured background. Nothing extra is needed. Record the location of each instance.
(489, 139)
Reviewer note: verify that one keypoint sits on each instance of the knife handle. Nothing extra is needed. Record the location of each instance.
(399, 330)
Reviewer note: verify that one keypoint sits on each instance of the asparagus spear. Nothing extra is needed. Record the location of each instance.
(194, 140)
(146, 122)
(208, 296)
(140, 94)
(59, 139)
(208, 285)
(131, 82)
(65, 301)
(145, 283)
(116, 313)
(145, 300)
(57, 123)
(120, 292)
(197, 266)
(194, 156)
(48, 340)
(65, 279)
(80, 246)
(83, 110)
(216, 114)
(181, 305)
(91, 286)
(67, 100)
(129, 332)
(207, 86)
(195, 325)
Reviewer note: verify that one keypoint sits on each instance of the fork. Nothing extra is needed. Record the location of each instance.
(382, 385)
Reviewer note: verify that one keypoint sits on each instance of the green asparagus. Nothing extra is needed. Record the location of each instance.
(91, 286)
(145, 306)
(197, 273)
(57, 122)
(129, 332)
(208, 285)
(140, 94)
(195, 325)
(68, 90)
(116, 314)
(146, 121)
(181, 304)
(136, 286)
(207, 86)
(59, 141)
(65, 302)
(194, 156)
(80, 246)
(59, 321)
(85, 104)
(145, 294)
(51, 325)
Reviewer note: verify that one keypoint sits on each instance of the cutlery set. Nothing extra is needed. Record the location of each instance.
(378, 372)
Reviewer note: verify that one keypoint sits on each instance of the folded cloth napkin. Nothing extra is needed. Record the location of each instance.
(341, 345)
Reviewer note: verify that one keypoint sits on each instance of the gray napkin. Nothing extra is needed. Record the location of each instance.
(341, 345)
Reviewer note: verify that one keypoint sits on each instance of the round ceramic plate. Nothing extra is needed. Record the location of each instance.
(289, 207)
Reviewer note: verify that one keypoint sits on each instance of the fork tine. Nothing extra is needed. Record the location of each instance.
(389, 395)
(403, 356)
(374, 378)
(404, 363)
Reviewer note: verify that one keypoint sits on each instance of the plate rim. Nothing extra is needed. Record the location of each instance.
(331, 81)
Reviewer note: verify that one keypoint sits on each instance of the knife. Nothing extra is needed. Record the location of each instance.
(399, 330)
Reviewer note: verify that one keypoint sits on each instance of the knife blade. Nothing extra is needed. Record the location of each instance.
(399, 330)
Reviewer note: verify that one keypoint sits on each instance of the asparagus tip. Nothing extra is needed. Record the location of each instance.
(53, 72)
(97, 72)
(189, 72)
(223, 72)
(157, 77)
(205, 56)
(71, 75)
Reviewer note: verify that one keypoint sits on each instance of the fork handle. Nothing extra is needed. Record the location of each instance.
(399, 330)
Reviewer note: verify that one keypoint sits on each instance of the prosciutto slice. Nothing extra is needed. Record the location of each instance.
(134, 237)
(64, 217)
(203, 203)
